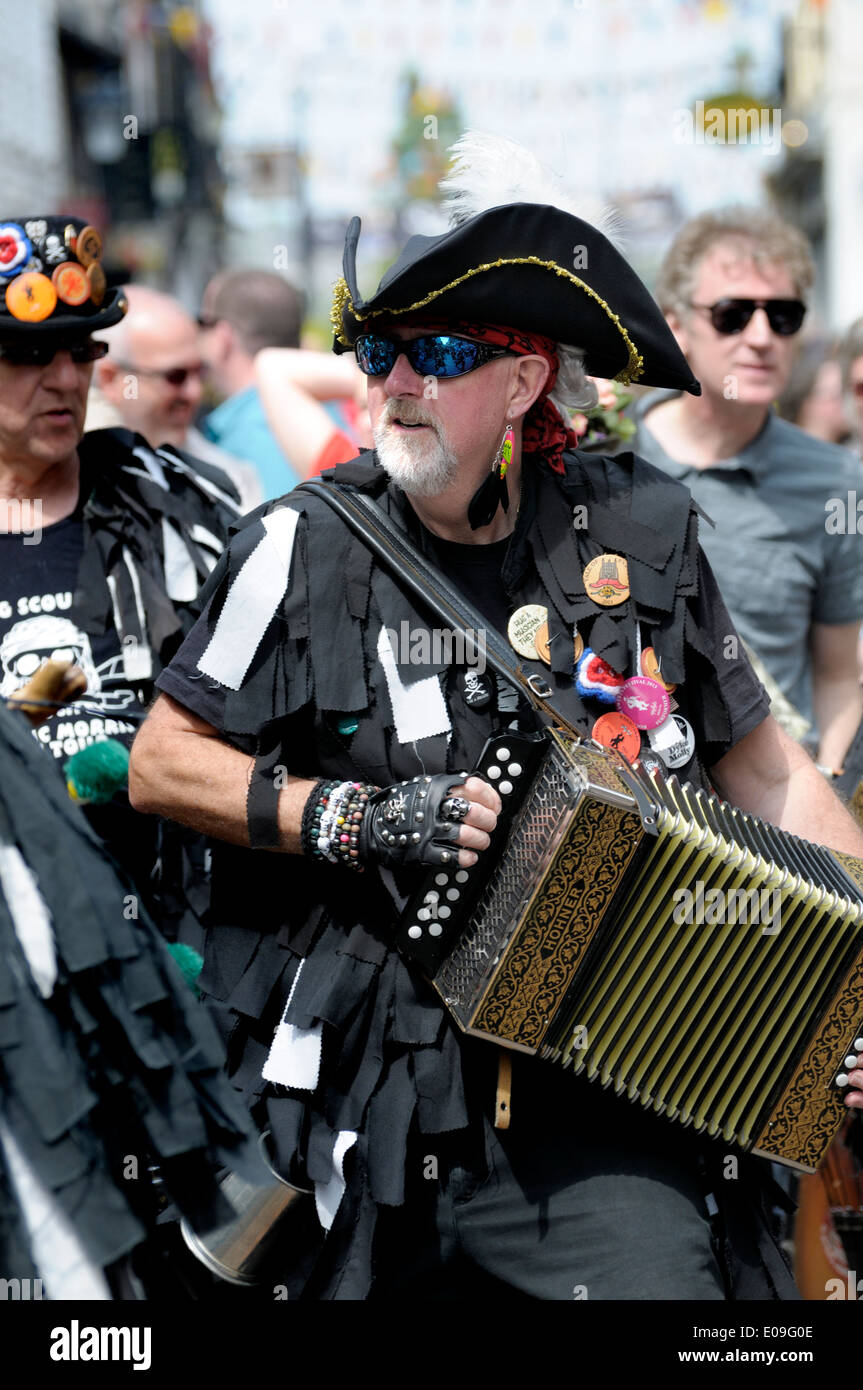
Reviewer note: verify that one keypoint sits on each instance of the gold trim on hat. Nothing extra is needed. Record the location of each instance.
(342, 300)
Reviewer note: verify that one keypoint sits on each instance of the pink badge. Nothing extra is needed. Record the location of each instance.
(646, 703)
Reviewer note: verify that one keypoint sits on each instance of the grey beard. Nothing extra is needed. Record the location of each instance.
(424, 467)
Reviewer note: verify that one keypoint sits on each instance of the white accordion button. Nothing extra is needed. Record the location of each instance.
(424, 914)
(442, 879)
(454, 894)
(442, 912)
(432, 895)
(415, 932)
(842, 1079)
(514, 769)
(858, 1044)
(503, 754)
(462, 876)
(505, 788)
(435, 929)
(849, 1061)
(493, 771)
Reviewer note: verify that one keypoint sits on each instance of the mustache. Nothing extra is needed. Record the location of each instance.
(408, 411)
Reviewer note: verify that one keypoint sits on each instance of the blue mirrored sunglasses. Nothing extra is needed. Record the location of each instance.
(438, 354)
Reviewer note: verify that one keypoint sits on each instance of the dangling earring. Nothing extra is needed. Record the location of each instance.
(493, 493)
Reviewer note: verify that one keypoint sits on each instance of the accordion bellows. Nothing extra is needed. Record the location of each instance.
(697, 960)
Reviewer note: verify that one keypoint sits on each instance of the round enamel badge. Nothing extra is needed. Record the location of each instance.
(606, 580)
(523, 627)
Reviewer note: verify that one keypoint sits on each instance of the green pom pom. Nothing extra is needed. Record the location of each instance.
(189, 961)
(94, 774)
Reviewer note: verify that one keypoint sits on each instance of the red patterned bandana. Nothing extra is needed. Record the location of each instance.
(543, 429)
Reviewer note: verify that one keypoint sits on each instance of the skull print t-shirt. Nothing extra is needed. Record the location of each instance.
(38, 621)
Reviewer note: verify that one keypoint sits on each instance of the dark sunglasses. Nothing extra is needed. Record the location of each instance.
(174, 376)
(43, 354)
(437, 354)
(732, 315)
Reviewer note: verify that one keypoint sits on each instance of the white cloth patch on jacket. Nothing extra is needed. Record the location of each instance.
(181, 578)
(419, 710)
(30, 918)
(295, 1053)
(328, 1195)
(252, 601)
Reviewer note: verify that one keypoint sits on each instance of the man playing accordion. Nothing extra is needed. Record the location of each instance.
(303, 706)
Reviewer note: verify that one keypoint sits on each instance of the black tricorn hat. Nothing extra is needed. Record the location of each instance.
(529, 266)
(51, 280)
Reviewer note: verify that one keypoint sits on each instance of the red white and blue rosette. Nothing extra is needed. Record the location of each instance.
(596, 679)
(15, 249)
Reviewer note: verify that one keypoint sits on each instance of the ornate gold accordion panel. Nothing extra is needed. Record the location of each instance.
(700, 962)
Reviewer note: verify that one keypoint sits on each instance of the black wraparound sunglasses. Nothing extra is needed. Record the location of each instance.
(732, 315)
(435, 354)
(43, 354)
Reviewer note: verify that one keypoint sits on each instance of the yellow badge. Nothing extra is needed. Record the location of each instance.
(71, 283)
(606, 580)
(578, 646)
(523, 628)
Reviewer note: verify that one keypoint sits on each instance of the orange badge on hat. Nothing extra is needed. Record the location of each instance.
(88, 245)
(71, 283)
(97, 282)
(31, 297)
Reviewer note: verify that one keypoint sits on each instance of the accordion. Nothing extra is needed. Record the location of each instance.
(699, 961)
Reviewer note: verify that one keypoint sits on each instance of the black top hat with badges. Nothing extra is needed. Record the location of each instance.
(52, 283)
(530, 267)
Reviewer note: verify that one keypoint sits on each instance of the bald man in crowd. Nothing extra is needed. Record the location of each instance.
(152, 382)
(242, 312)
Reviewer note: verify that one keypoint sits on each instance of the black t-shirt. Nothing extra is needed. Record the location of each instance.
(39, 620)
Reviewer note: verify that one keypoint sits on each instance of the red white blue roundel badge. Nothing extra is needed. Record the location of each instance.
(15, 249)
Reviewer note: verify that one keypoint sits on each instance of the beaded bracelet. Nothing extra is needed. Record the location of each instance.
(332, 818)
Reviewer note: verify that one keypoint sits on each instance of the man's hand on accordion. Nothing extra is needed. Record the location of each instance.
(854, 1098)
(430, 820)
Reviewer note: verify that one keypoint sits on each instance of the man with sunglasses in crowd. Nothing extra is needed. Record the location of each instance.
(733, 288)
(329, 758)
(103, 542)
(152, 381)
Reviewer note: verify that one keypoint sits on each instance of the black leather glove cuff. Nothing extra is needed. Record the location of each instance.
(403, 823)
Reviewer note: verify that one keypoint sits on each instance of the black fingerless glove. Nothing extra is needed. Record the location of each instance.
(403, 823)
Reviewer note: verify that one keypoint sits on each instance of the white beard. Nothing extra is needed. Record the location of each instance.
(423, 465)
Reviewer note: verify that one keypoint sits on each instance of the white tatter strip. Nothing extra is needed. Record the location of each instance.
(181, 579)
(64, 1267)
(419, 710)
(200, 481)
(30, 917)
(200, 534)
(295, 1053)
(251, 602)
(328, 1195)
(153, 467)
(115, 602)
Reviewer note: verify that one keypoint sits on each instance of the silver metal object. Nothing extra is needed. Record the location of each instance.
(455, 808)
(237, 1250)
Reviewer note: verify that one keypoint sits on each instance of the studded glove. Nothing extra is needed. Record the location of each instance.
(409, 823)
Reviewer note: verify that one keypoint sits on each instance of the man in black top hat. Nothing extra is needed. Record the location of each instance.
(103, 543)
(296, 696)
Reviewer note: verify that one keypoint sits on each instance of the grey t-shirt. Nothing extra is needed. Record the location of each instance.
(778, 566)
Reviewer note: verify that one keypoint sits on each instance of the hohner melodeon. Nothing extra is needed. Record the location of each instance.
(696, 959)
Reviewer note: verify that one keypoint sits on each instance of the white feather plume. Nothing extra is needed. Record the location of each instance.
(489, 171)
